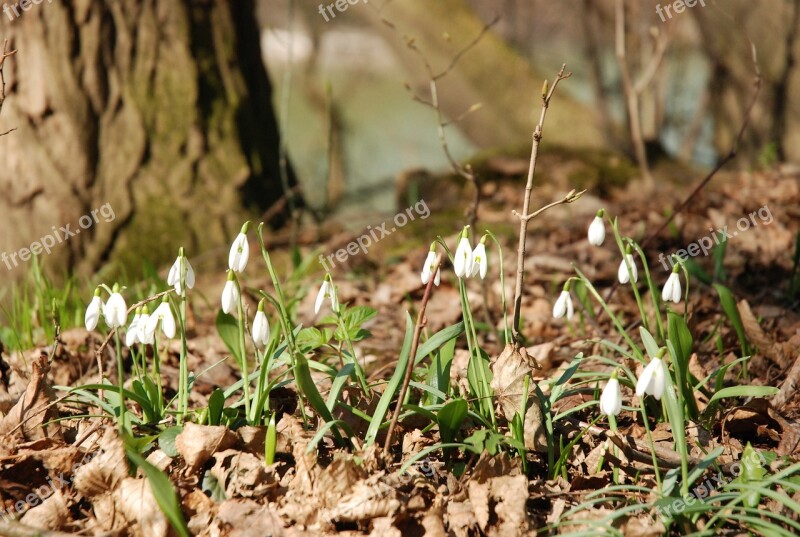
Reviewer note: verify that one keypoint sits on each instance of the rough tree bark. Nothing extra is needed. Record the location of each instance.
(160, 109)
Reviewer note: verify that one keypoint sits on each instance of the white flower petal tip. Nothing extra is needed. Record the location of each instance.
(93, 311)
(133, 330)
(239, 254)
(174, 276)
(462, 261)
(230, 297)
(563, 306)
(623, 275)
(115, 311)
(672, 289)
(260, 329)
(611, 398)
(427, 268)
(323, 292)
(652, 380)
(142, 334)
(480, 264)
(597, 232)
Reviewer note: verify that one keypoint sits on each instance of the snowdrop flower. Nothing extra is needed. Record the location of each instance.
(174, 276)
(427, 268)
(334, 299)
(672, 289)
(462, 261)
(230, 294)
(240, 251)
(131, 335)
(652, 380)
(622, 274)
(597, 229)
(93, 311)
(142, 335)
(479, 261)
(115, 311)
(261, 326)
(162, 315)
(611, 398)
(563, 304)
(324, 292)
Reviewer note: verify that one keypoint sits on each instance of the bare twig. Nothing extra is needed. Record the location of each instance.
(421, 322)
(631, 94)
(6, 54)
(526, 215)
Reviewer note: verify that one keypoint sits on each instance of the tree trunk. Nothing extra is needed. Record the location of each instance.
(155, 115)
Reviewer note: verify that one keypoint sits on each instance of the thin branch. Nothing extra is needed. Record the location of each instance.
(631, 96)
(421, 322)
(6, 54)
(526, 215)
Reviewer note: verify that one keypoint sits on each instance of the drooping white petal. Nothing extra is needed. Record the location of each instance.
(462, 261)
(142, 334)
(563, 306)
(163, 315)
(133, 328)
(174, 276)
(623, 275)
(260, 329)
(92, 315)
(230, 296)
(479, 261)
(323, 292)
(427, 268)
(115, 311)
(652, 379)
(239, 254)
(611, 398)
(597, 231)
(438, 278)
(672, 288)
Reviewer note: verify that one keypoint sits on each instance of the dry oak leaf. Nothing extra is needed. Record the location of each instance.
(197, 443)
(27, 418)
(506, 496)
(509, 371)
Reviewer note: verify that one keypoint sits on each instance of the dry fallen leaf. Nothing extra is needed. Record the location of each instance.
(197, 443)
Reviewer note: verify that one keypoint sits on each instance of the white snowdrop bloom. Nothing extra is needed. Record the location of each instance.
(652, 380)
(672, 288)
(133, 329)
(261, 327)
(563, 305)
(597, 230)
(324, 292)
(611, 398)
(623, 275)
(93, 310)
(438, 278)
(240, 251)
(142, 335)
(479, 261)
(230, 294)
(163, 316)
(115, 310)
(174, 276)
(427, 268)
(462, 261)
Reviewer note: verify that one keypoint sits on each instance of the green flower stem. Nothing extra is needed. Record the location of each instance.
(507, 333)
(654, 294)
(120, 381)
(183, 392)
(652, 447)
(362, 378)
(485, 392)
(157, 373)
(243, 351)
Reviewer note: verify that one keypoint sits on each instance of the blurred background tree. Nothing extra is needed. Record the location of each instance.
(162, 109)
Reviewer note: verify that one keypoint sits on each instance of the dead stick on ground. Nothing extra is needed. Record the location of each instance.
(526, 215)
(421, 322)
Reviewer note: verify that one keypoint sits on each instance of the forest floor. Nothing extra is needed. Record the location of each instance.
(63, 466)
